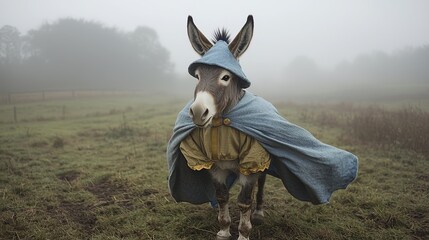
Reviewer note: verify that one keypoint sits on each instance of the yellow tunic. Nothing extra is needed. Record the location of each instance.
(204, 146)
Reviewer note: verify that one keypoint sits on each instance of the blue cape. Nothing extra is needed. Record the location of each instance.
(309, 169)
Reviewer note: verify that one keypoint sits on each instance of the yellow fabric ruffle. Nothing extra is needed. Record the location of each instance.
(204, 146)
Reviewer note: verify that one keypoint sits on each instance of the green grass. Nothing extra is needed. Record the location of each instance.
(99, 172)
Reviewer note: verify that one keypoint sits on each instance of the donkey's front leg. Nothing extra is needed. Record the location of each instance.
(222, 195)
(245, 199)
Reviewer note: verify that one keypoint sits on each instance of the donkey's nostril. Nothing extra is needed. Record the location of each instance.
(205, 114)
(202, 109)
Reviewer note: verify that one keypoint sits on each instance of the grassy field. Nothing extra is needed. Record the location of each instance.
(95, 168)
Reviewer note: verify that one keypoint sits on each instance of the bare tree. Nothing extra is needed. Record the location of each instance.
(10, 45)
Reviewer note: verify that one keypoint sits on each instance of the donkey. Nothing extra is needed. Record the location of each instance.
(218, 90)
(226, 133)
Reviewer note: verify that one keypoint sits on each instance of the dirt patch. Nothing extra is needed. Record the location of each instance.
(423, 177)
(111, 191)
(149, 191)
(115, 191)
(80, 213)
(74, 212)
(92, 133)
(106, 189)
(39, 144)
(69, 176)
(58, 142)
(11, 224)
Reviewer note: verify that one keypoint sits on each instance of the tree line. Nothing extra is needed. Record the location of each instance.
(75, 54)
(72, 54)
(403, 73)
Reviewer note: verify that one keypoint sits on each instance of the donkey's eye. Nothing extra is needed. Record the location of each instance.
(226, 78)
(197, 76)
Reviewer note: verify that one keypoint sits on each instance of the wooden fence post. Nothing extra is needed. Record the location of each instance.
(63, 112)
(15, 118)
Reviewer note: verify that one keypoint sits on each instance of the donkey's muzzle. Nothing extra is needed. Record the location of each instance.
(200, 116)
(202, 109)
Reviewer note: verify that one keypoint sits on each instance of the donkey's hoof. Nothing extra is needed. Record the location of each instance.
(242, 238)
(222, 238)
(258, 217)
(223, 235)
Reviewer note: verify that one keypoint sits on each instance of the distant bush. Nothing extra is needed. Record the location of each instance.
(122, 131)
(404, 128)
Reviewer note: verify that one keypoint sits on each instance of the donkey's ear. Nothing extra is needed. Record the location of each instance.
(198, 41)
(240, 43)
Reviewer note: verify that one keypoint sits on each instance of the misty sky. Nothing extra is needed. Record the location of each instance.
(326, 31)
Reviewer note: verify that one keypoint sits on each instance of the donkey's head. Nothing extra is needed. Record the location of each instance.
(220, 78)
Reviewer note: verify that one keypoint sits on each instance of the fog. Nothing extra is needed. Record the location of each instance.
(300, 49)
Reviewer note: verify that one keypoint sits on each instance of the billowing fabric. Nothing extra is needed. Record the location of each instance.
(309, 169)
(220, 55)
(205, 146)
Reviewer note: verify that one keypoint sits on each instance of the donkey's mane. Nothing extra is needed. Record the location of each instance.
(221, 35)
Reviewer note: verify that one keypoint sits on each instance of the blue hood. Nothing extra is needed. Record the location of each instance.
(220, 55)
